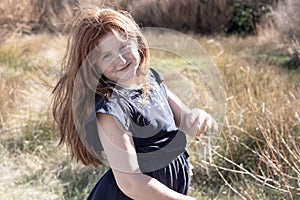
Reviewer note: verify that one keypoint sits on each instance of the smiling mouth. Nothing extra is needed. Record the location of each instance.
(125, 67)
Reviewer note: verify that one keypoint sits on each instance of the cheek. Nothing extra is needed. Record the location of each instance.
(100, 69)
(105, 65)
(104, 70)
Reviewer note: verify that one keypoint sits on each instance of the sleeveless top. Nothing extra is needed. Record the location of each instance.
(148, 117)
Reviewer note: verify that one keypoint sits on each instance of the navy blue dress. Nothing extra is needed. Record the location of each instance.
(160, 146)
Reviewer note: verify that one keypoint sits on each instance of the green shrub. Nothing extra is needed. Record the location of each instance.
(245, 16)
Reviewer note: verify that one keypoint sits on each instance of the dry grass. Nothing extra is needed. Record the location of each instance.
(32, 165)
(286, 18)
(34, 16)
(283, 24)
(206, 17)
(11, 14)
(25, 124)
(261, 125)
(181, 15)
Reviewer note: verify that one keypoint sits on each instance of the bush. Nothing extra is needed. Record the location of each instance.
(246, 15)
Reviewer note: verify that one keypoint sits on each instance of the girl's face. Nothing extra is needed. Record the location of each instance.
(118, 60)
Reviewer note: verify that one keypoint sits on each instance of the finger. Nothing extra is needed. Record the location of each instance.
(212, 124)
(202, 127)
(215, 125)
(198, 116)
(195, 115)
(191, 119)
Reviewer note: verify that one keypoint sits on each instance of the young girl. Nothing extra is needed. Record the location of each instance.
(112, 109)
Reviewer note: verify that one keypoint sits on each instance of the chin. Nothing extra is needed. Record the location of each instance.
(128, 75)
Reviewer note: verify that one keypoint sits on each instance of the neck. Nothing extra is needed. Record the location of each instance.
(133, 83)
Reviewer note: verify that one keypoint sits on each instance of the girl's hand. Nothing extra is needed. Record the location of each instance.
(198, 121)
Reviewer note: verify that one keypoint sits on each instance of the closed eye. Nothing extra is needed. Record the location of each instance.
(124, 45)
(106, 56)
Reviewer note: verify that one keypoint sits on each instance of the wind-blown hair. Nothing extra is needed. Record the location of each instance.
(74, 94)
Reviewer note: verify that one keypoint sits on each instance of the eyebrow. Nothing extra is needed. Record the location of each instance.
(109, 51)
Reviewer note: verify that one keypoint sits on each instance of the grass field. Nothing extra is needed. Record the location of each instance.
(258, 151)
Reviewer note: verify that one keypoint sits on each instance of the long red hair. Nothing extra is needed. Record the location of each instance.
(74, 94)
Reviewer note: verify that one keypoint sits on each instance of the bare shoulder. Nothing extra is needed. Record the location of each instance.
(117, 143)
(108, 121)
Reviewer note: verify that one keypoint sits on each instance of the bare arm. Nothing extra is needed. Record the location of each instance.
(120, 151)
(193, 122)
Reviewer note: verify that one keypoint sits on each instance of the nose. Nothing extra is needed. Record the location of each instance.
(122, 58)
